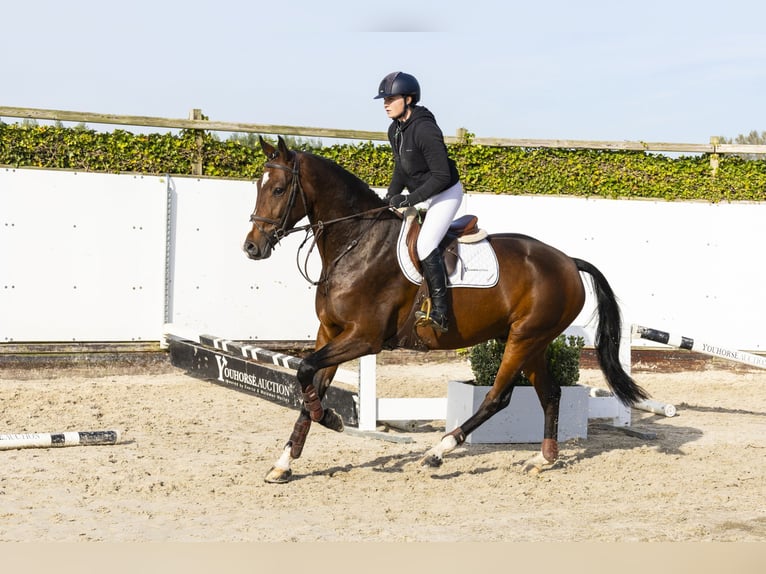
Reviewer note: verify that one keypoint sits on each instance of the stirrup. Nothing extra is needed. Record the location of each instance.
(424, 318)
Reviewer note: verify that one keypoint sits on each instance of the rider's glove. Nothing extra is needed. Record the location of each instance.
(399, 200)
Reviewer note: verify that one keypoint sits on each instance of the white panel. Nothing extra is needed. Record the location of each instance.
(412, 409)
(82, 256)
(692, 268)
(216, 289)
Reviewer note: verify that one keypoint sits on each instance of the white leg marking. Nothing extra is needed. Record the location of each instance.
(447, 444)
(284, 460)
(536, 464)
(435, 455)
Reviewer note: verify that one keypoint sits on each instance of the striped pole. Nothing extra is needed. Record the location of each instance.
(48, 440)
(251, 352)
(690, 344)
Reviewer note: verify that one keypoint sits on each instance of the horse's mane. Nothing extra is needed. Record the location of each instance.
(344, 178)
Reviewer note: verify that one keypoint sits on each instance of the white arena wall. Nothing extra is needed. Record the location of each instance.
(106, 257)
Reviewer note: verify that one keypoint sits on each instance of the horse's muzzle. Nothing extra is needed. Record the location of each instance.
(257, 252)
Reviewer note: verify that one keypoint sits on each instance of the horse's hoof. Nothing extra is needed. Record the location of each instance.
(278, 475)
(432, 461)
(332, 420)
(536, 465)
(531, 469)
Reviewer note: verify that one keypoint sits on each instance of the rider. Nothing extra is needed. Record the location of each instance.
(421, 164)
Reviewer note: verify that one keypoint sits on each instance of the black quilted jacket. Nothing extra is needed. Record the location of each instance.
(420, 155)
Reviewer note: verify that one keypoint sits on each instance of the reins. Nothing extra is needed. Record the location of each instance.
(317, 228)
(320, 226)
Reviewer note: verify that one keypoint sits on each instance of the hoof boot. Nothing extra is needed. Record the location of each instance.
(332, 420)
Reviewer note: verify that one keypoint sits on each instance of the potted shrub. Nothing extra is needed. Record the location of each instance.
(522, 420)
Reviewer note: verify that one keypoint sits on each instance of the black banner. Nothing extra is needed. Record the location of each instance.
(248, 376)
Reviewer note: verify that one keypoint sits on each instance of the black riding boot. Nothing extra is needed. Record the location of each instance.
(435, 275)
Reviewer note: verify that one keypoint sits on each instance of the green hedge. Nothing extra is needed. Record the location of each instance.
(562, 356)
(484, 169)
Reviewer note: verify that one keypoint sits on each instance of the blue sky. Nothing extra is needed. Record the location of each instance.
(653, 71)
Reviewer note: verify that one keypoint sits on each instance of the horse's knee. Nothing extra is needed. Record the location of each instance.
(305, 373)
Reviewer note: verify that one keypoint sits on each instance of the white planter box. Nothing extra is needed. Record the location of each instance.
(522, 420)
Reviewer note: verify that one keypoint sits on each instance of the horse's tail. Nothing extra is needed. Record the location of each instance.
(608, 336)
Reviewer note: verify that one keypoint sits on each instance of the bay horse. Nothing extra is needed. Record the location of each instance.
(364, 301)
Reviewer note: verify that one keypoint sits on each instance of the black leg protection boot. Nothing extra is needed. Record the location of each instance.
(435, 275)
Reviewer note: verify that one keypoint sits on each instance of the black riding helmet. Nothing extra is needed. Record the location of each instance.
(399, 84)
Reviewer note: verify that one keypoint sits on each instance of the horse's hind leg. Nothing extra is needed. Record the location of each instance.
(496, 399)
(549, 394)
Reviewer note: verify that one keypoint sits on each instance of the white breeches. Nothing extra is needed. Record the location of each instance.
(441, 210)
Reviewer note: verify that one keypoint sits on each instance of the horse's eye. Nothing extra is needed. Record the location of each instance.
(278, 191)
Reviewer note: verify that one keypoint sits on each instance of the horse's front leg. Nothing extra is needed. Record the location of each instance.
(313, 394)
(312, 410)
(281, 471)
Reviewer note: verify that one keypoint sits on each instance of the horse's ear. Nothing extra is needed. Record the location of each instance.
(283, 148)
(267, 148)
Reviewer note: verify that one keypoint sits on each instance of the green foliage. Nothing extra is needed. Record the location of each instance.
(483, 169)
(372, 163)
(562, 356)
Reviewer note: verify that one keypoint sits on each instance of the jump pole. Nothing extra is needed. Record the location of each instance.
(698, 346)
(648, 405)
(48, 440)
(247, 368)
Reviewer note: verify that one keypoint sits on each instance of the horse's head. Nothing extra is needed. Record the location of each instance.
(280, 202)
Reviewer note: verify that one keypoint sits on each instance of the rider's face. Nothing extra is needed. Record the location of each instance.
(394, 106)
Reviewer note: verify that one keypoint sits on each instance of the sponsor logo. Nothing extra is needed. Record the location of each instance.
(243, 380)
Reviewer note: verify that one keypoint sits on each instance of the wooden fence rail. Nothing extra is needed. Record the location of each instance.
(713, 147)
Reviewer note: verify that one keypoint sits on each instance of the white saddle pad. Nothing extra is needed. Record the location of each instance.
(476, 262)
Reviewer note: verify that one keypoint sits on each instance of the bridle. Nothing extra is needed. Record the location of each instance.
(281, 230)
(280, 224)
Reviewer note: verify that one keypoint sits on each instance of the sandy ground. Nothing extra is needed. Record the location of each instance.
(191, 463)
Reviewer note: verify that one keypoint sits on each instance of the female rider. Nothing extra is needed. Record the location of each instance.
(421, 165)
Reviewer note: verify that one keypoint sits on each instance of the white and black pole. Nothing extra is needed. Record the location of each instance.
(698, 346)
(49, 440)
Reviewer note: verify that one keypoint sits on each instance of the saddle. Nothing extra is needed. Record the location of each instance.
(465, 229)
(469, 260)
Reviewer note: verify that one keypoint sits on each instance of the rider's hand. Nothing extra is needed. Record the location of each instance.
(399, 200)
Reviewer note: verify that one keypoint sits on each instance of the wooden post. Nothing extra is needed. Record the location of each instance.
(461, 135)
(196, 114)
(714, 158)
